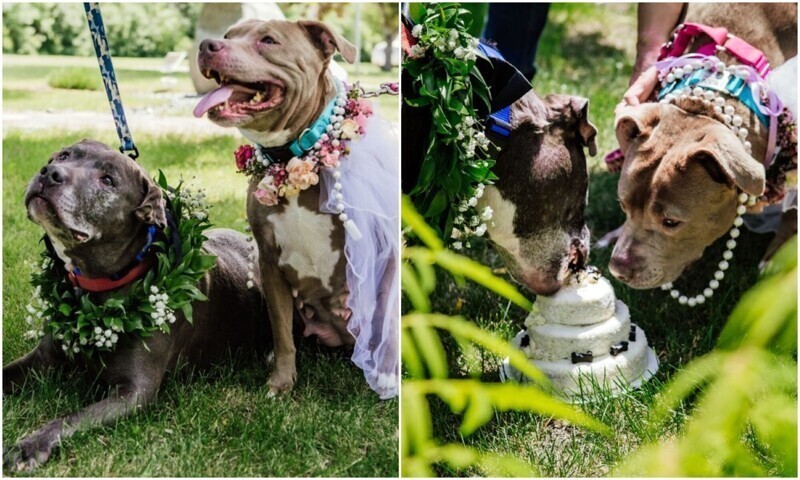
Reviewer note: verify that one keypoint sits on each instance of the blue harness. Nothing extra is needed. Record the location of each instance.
(498, 122)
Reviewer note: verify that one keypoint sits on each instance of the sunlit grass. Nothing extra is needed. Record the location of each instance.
(214, 423)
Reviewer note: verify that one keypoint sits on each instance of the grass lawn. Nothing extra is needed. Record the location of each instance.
(211, 423)
(582, 53)
(25, 86)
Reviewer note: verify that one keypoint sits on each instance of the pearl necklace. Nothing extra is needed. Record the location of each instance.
(744, 200)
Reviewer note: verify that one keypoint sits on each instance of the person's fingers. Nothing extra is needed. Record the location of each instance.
(642, 87)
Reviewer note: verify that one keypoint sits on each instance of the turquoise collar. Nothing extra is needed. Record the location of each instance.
(312, 134)
(723, 82)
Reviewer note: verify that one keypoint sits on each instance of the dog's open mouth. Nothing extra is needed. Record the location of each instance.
(234, 99)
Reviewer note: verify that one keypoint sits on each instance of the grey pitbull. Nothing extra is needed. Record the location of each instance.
(95, 205)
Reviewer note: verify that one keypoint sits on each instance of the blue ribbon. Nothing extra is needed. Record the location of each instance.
(100, 42)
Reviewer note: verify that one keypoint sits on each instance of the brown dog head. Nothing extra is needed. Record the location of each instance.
(678, 187)
(94, 203)
(538, 202)
(272, 76)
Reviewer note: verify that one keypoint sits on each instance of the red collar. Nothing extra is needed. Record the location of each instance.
(97, 285)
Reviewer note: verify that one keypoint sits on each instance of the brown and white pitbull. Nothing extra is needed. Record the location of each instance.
(278, 71)
(684, 167)
(539, 199)
(95, 205)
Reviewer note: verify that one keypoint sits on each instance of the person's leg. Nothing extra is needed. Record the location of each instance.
(516, 28)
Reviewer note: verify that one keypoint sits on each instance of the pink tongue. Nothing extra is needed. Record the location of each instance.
(212, 99)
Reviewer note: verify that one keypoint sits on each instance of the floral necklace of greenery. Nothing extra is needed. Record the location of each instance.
(81, 325)
(456, 166)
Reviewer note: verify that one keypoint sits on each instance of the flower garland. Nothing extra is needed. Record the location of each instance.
(288, 179)
(457, 165)
(81, 325)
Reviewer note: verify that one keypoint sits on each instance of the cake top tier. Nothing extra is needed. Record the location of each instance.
(586, 298)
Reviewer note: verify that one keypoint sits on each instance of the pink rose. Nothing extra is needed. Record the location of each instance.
(365, 107)
(329, 159)
(301, 173)
(361, 120)
(266, 192)
(243, 154)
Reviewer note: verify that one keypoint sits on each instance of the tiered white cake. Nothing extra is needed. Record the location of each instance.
(583, 336)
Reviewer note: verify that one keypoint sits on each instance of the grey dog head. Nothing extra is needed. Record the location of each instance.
(540, 196)
(95, 204)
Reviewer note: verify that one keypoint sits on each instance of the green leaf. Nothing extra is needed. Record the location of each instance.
(430, 348)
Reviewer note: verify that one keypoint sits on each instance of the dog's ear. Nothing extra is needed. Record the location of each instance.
(329, 41)
(529, 109)
(152, 209)
(727, 162)
(634, 122)
(587, 131)
(573, 111)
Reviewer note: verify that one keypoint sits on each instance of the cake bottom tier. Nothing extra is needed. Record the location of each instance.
(616, 373)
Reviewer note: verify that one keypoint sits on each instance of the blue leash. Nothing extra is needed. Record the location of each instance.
(100, 42)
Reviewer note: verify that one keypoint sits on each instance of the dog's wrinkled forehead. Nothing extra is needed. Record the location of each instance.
(94, 154)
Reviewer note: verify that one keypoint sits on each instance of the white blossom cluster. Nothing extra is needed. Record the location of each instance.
(36, 317)
(462, 45)
(470, 220)
(162, 314)
(101, 338)
(194, 202)
(471, 136)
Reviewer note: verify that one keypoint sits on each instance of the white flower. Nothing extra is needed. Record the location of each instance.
(453, 33)
(478, 193)
(470, 55)
(474, 42)
(457, 245)
(98, 330)
(417, 51)
(487, 213)
(114, 338)
(152, 298)
(480, 230)
(417, 30)
(451, 44)
(459, 52)
(472, 202)
(108, 343)
(469, 121)
(107, 333)
(458, 220)
(456, 234)
(154, 289)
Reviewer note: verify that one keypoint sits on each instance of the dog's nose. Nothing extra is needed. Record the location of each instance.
(211, 46)
(622, 265)
(52, 175)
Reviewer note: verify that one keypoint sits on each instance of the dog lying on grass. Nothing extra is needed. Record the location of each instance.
(97, 207)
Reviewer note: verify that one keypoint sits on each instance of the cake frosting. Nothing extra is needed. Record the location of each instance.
(583, 337)
(585, 298)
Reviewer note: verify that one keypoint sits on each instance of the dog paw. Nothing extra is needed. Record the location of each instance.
(280, 385)
(608, 239)
(27, 454)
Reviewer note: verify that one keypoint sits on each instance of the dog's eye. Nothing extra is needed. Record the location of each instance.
(670, 223)
(107, 180)
(225, 37)
(267, 40)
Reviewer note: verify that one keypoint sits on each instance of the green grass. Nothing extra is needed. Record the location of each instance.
(25, 85)
(211, 423)
(74, 78)
(588, 50)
